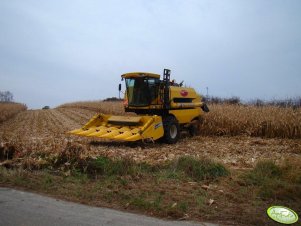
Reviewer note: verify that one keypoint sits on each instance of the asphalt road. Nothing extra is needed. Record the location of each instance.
(18, 208)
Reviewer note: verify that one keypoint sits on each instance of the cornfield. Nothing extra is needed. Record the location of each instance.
(266, 121)
(106, 107)
(228, 119)
(9, 110)
(230, 133)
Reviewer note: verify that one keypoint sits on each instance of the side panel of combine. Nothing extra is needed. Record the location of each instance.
(186, 115)
(126, 128)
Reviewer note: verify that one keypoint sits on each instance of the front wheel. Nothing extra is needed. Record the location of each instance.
(171, 130)
(194, 128)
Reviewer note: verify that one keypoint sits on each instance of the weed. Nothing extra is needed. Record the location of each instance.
(200, 169)
(140, 202)
(47, 180)
(20, 178)
(292, 170)
(79, 176)
(183, 206)
(274, 181)
(123, 181)
(263, 172)
(168, 174)
(158, 202)
(108, 167)
(200, 201)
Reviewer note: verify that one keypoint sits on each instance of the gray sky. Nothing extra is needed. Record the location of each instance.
(53, 52)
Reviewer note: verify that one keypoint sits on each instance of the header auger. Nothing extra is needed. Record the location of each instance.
(163, 109)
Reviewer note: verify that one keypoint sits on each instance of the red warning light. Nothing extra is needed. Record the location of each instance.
(184, 93)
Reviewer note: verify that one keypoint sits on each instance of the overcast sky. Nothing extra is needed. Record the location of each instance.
(53, 52)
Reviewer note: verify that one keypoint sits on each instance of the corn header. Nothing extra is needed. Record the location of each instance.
(163, 109)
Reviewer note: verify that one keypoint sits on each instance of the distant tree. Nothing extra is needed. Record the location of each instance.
(6, 96)
(232, 100)
(218, 100)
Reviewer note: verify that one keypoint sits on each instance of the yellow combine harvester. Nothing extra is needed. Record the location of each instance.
(163, 109)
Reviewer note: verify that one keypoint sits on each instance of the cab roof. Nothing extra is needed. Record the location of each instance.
(139, 75)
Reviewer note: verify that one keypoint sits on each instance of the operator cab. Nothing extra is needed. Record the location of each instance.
(142, 88)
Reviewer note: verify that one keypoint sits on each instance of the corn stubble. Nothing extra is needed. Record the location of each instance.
(38, 138)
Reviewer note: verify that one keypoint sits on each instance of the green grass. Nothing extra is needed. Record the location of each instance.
(195, 169)
(273, 181)
(108, 167)
(200, 169)
(135, 185)
(174, 189)
(263, 172)
(183, 206)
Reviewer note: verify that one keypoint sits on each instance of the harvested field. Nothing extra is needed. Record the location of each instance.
(35, 142)
(45, 130)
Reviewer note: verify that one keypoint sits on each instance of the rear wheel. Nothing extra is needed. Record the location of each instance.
(171, 130)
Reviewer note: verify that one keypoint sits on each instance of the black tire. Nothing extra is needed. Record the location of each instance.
(194, 128)
(171, 130)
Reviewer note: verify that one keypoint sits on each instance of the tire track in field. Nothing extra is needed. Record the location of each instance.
(42, 119)
(34, 126)
(70, 115)
(50, 123)
(37, 124)
(81, 115)
(55, 124)
(16, 127)
(17, 122)
(68, 123)
(33, 123)
(74, 116)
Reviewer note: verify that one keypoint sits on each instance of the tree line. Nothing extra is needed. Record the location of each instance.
(6, 96)
(288, 102)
